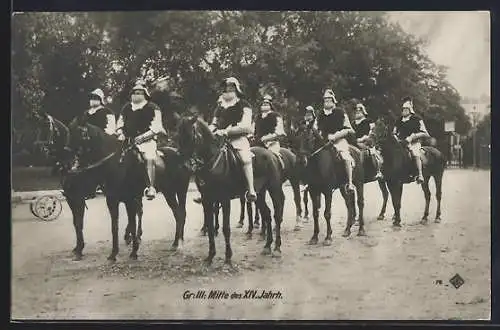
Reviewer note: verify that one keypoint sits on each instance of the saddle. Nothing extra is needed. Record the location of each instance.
(227, 162)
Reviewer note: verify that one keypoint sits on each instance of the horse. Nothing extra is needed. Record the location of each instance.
(399, 169)
(324, 173)
(220, 179)
(122, 175)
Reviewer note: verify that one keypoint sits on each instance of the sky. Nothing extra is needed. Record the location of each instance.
(458, 40)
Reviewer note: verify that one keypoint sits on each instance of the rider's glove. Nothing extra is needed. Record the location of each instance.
(221, 132)
(408, 139)
(121, 137)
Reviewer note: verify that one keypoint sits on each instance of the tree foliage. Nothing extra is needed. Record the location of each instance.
(58, 58)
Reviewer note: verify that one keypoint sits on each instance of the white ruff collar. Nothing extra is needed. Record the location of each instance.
(406, 118)
(328, 112)
(357, 121)
(138, 105)
(226, 104)
(264, 114)
(91, 111)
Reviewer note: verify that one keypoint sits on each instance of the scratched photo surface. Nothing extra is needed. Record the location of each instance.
(74, 253)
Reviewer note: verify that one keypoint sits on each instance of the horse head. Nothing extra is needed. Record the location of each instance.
(305, 141)
(195, 139)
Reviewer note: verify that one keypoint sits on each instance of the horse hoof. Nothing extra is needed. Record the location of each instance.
(77, 257)
(313, 241)
(327, 242)
(306, 219)
(437, 220)
(276, 253)
(239, 225)
(112, 258)
(248, 235)
(133, 256)
(396, 224)
(346, 233)
(380, 217)
(266, 251)
(361, 232)
(174, 248)
(208, 260)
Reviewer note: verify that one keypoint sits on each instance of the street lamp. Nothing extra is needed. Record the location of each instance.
(475, 117)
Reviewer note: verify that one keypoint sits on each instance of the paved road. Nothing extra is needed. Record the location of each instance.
(390, 274)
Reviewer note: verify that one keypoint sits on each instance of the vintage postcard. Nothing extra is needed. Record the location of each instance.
(251, 165)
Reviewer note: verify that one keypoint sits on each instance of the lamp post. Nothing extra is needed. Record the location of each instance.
(475, 115)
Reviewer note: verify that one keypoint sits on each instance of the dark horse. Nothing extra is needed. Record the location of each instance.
(290, 168)
(118, 168)
(220, 179)
(324, 172)
(400, 169)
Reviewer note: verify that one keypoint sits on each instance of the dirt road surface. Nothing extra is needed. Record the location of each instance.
(389, 274)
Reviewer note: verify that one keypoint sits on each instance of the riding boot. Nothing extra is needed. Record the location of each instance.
(248, 171)
(348, 167)
(418, 162)
(376, 163)
(150, 190)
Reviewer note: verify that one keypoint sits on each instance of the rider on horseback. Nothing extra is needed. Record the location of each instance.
(411, 128)
(233, 118)
(309, 117)
(269, 127)
(364, 129)
(333, 123)
(97, 115)
(141, 120)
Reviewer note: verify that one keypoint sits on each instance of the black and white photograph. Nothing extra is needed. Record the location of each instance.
(251, 165)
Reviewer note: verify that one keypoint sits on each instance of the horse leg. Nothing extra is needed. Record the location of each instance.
(266, 221)
(113, 203)
(208, 210)
(360, 196)
(248, 205)
(298, 207)
(315, 196)
(351, 210)
(396, 190)
(256, 221)
(242, 212)
(226, 229)
(131, 207)
(306, 205)
(140, 213)
(438, 179)
(278, 199)
(427, 195)
(174, 206)
(216, 218)
(328, 216)
(77, 206)
(385, 195)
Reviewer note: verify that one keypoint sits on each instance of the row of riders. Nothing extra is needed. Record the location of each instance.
(263, 164)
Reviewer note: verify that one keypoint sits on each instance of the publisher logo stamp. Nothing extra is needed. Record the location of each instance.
(457, 281)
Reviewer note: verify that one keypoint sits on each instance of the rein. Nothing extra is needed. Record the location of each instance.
(94, 165)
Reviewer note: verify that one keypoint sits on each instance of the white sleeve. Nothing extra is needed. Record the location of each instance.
(119, 123)
(372, 127)
(422, 127)
(280, 129)
(315, 124)
(347, 122)
(110, 125)
(246, 119)
(156, 124)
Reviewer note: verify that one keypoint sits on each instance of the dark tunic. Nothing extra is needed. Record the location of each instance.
(266, 125)
(99, 118)
(138, 122)
(332, 123)
(363, 128)
(230, 116)
(409, 127)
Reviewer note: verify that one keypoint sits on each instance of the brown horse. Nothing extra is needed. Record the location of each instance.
(324, 172)
(399, 169)
(220, 179)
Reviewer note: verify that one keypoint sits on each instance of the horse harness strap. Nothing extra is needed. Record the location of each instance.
(94, 165)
